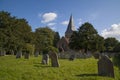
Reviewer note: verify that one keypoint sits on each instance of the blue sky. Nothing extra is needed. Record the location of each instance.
(104, 15)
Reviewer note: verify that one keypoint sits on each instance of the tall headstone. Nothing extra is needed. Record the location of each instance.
(54, 59)
(45, 59)
(105, 67)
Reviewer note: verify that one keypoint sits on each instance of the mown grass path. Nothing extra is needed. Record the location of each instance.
(32, 69)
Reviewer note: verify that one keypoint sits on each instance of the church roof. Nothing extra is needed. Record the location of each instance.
(71, 26)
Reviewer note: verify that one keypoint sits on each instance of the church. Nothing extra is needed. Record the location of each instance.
(64, 41)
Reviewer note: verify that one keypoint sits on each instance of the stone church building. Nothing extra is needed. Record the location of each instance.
(64, 41)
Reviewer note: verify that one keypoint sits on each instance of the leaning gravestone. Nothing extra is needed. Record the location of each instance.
(105, 67)
(54, 59)
(45, 59)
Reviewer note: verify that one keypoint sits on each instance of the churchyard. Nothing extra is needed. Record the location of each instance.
(32, 69)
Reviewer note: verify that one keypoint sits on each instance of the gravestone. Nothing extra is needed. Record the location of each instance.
(105, 67)
(54, 59)
(19, 54)
(2, 53)
(45, 59)
(96, 55)
(36, 53)
(26, 55)
(72, 57)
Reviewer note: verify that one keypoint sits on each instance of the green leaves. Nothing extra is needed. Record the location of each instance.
(86, 38)
(43, 38)
(14, 32)
(110, 44)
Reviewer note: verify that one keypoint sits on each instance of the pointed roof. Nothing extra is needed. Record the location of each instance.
(71, 26)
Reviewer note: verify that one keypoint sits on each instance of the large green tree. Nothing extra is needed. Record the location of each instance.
(117, 48)
(14, 32)
(44, 37)
(56, 39)
(86, 38)
(116, 57)
(110, 44)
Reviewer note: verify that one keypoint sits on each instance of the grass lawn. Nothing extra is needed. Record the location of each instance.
(32, 69)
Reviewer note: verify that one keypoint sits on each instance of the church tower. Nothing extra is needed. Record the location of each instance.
(70, 28)
(63, 43)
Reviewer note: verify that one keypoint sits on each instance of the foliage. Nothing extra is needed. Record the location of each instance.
(29, 48)
(50, 48)
(74, 41)
(110, 44)
(44, 37)
(86, 38)
(14, 32)
(116, 60)
(22, 69)
(117, 48)
(53, 49)
(56, 39)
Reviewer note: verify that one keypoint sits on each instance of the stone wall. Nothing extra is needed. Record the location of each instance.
(67, 54)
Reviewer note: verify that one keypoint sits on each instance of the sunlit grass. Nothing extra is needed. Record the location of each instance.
(32, 69)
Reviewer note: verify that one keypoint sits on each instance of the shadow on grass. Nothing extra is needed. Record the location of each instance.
(91, 75)
(38, 65)
(87, 75)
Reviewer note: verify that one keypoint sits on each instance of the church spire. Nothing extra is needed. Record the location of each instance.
(70, 28)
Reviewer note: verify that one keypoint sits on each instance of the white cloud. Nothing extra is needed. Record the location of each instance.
(48, 17)
(80, 21)
(65, 23)
(113, 31)
(51, 24)
(53, 28)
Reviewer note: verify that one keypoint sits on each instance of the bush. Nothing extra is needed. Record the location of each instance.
(29, 48)
(50, 48)
(116, 60)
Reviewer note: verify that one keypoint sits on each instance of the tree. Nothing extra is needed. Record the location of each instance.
(86, 38)
(110, 44)
(14, 32)
(56, 39)
(116, 58)
(75, 41)
(44, 38)
(117, 48)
